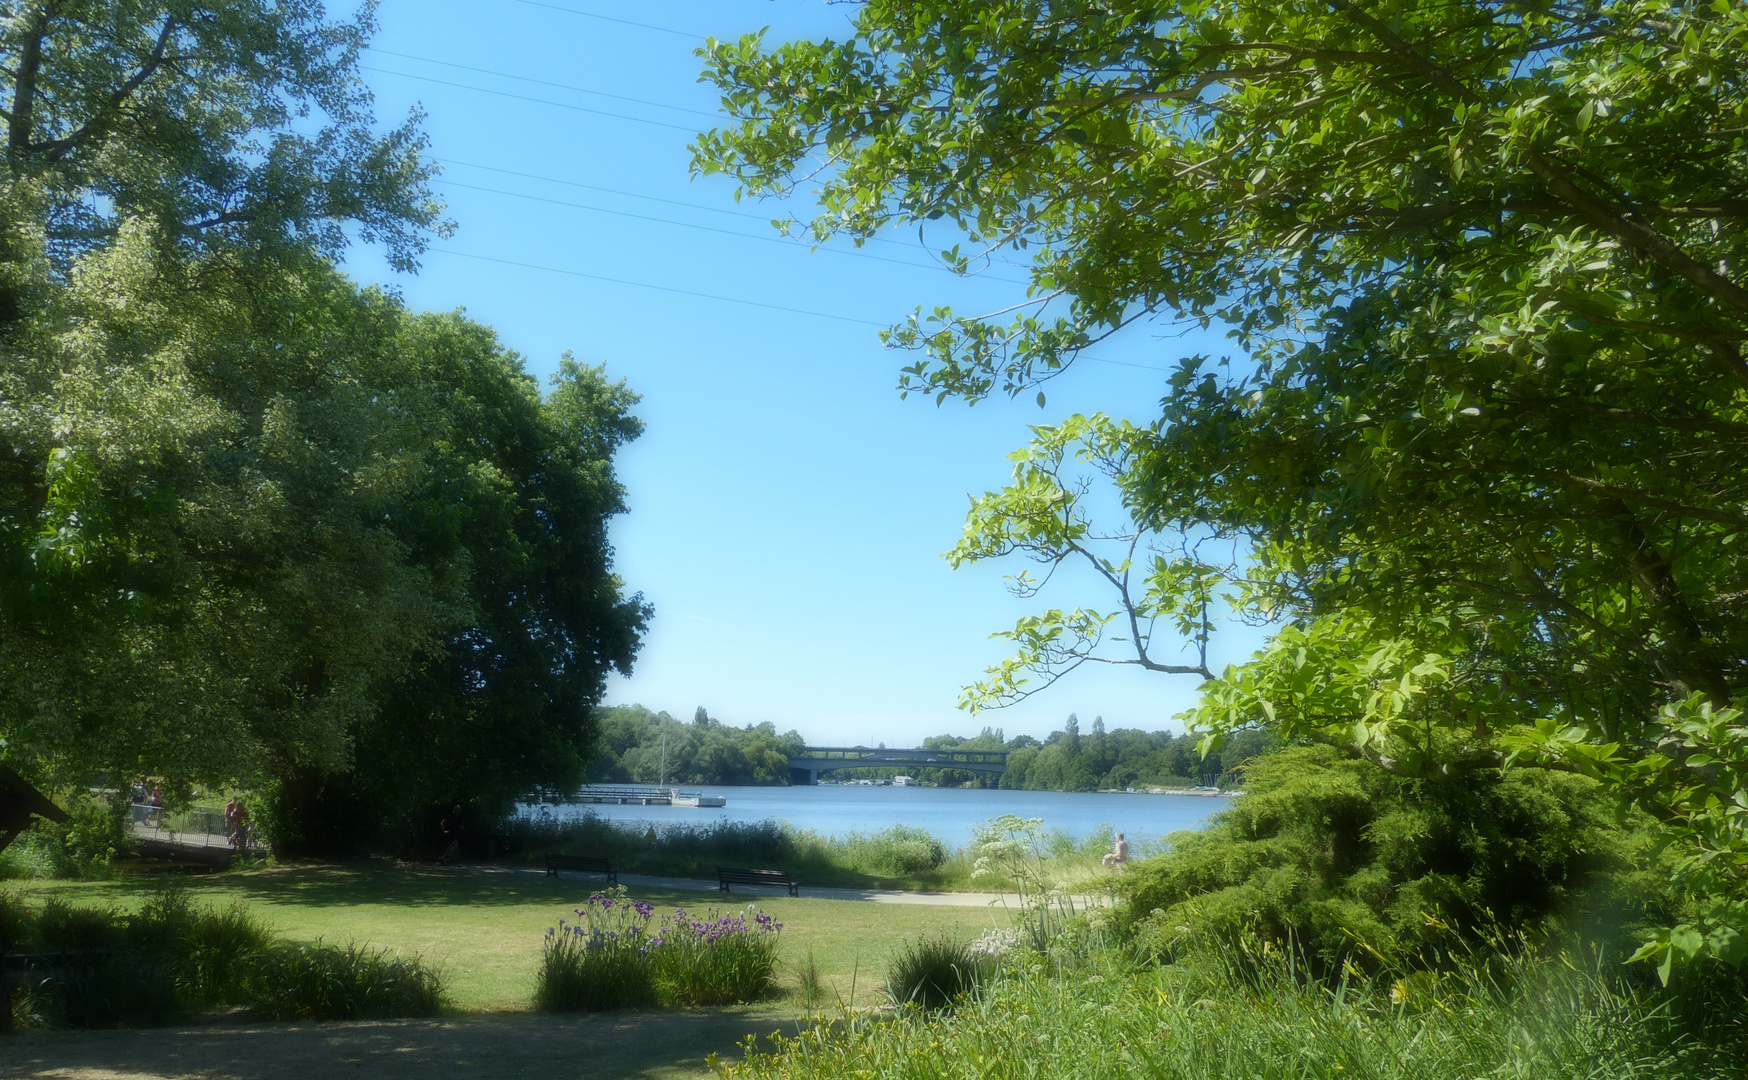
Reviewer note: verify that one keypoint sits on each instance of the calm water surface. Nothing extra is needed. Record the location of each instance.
(949, 813)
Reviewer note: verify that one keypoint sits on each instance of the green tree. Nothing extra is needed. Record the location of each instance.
(193, 117)
(1486, 265)
(706, 751)
(295, 537)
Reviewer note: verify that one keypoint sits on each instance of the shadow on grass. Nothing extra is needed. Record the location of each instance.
(659, 1045)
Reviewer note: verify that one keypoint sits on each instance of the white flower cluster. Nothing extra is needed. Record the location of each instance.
(994, 944)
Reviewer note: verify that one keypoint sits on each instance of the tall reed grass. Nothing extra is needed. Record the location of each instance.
(98, 967)
(900, 856)
(1519, 1017)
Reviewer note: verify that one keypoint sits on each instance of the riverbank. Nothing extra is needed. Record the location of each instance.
(950, 814)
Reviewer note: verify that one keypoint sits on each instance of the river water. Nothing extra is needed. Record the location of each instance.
(948, 813)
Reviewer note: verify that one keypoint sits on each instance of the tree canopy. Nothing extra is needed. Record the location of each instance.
(258, 526)
(1476, 453)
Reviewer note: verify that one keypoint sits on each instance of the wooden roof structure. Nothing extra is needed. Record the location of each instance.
(19, 802)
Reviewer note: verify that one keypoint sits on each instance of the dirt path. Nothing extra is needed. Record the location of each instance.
(666, 1045)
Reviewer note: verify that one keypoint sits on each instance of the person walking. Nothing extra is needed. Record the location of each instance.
(237, 822)
(452, 829)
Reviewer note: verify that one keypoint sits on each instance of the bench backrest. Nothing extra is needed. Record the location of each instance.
(578, 862)
(752, 875)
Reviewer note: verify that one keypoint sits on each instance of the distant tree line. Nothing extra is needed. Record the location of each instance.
(1067, 760)
(1126, 757)
(629, 749)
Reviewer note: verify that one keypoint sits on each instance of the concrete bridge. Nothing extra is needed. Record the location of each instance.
(813, 760)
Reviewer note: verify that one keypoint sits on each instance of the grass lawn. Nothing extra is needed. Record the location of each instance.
(484, 927)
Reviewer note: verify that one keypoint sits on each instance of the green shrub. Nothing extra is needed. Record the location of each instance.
(82, 847)
(897, 851)
(1349, 863)
(933, 973)
(221, 952)
(321, 982)
(172, 957)
(61, 927)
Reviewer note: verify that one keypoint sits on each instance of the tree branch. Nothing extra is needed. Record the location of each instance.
(99, 124)
(1590, 207)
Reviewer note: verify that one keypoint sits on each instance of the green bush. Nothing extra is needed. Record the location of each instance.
(1348, 863)
(321, 982)
(82, 847)
(172, 958)
(897, 851)
(933, 973)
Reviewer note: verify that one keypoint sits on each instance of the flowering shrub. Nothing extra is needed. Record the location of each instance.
(717, 959)
(612, 958)
(600, 961)
(995, 945)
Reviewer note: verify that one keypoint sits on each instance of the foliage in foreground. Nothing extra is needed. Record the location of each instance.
(323, 982)
(1478, 449)
(1329, 853)
(612, 958)
(172, 959)
(1549, 1018)
(934, 972)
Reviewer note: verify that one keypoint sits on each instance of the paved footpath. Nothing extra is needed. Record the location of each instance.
(875, 896)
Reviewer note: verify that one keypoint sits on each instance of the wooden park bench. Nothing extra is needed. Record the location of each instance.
(582, 864)
(727, 875)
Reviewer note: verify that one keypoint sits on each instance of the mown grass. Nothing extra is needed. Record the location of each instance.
(483, 929)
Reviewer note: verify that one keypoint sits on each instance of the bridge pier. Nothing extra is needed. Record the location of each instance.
(803, 777)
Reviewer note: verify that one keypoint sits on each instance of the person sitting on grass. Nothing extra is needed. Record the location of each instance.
(1119, 853)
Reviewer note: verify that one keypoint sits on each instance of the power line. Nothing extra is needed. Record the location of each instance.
(611, 19)
(658, 288)
(711, 228)
(618, 191)
(689, 128)
(543, 82)
(763, 219)
(726, 299)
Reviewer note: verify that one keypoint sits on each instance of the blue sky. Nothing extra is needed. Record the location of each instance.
(788, 511)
